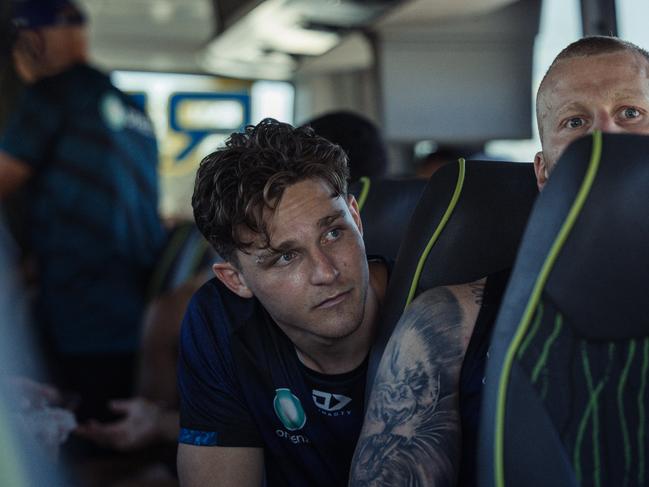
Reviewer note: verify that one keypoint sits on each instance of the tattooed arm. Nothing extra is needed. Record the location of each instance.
(411, 434)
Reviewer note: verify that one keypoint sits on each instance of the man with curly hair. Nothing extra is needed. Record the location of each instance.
(273, 351)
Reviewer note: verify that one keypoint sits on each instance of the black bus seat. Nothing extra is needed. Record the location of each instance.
(567, 399)
(185, 256)
(467, 225)
(386, 206)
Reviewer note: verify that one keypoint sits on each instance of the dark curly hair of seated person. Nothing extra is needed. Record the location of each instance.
(236, 183)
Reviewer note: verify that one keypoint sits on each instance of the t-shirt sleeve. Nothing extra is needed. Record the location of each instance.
(213, 410)
(32, 128)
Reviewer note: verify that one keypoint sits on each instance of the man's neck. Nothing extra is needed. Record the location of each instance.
(346, 354)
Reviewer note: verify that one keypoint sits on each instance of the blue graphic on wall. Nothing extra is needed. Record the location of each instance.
(198, 115)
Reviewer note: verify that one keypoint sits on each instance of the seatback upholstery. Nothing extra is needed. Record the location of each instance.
(386, 207)
(467, 225)
(566, 399)
(185, 256)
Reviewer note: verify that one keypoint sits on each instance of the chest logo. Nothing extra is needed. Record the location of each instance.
(113, 112)
(289, 410)
(330, 402)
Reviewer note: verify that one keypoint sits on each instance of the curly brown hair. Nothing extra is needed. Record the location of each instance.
(236, 183)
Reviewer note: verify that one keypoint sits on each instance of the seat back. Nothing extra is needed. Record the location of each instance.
(566, 399)
(467, 224)
(185, 256)
(386, 206)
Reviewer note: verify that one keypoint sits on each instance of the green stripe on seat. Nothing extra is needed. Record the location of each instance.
(530, 336)
(641, 412)
(592, 409)
(365, 191)
(545, 353)
(459, 184)
(535, 296)
(620, 406)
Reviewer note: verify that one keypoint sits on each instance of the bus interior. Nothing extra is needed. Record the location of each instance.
(451, 86)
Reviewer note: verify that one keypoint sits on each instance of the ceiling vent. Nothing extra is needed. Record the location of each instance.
(268, 39)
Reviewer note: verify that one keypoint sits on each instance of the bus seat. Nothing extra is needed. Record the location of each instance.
(386, 206)
(567, 398)
(467, 225)
(185, 256)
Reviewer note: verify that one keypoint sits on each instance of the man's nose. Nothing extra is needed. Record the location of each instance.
(606, 123)
(324, 269)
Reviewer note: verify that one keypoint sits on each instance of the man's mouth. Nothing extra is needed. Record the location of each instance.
(333, 300)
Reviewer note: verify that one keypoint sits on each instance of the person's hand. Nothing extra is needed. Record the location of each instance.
(36, 413)
(140, 425)
(31, 394)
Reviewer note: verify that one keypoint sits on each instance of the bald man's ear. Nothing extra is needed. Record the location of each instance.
(232, 278)
(541, 170)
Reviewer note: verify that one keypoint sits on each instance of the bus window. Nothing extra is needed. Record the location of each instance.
(560, 25)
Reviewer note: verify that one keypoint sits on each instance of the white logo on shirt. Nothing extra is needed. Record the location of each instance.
(330, 402)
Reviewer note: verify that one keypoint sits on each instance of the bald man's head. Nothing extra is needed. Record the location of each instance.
(594, 83)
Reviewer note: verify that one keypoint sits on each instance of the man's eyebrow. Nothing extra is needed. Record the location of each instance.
(626, 93)
(329, 219)
(269, 252)
(574, 105)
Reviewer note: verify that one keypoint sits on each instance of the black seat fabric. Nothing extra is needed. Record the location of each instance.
(567, 394)
(386, 206)
(477, 211)
(185, 256)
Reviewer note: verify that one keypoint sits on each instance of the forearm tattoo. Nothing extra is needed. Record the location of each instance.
(411, 433)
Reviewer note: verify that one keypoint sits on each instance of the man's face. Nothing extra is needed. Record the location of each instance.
(314, 284)
(607, 92)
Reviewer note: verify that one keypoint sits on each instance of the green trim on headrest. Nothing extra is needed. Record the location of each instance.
(535, 296)
(433, 239)
(365, 191)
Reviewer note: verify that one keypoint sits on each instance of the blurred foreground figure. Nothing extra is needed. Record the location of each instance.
(32, 423)
(84, 157)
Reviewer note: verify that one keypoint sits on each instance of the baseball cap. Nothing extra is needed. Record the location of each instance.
(33, 14)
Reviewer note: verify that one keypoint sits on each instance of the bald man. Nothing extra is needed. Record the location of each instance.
(414, 432)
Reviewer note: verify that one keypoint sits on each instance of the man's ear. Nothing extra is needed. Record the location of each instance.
(541, 170)
(232, 278)
(355, 211)
(32, 44)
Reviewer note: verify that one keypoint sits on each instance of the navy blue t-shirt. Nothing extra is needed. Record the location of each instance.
(92, 207)
(242, 384)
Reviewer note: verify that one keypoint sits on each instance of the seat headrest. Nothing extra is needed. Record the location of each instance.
(598, 275)
(386, 207)
(185, 256)
(480, 237)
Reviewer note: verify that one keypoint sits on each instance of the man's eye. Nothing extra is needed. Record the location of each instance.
(575, 123)
(333, 234)
(285, 258)
(631, 112)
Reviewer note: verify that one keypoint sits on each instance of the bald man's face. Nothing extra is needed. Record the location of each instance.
(607, 92)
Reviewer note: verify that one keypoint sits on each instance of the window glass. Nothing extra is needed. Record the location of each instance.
(632, 21)
(560, 25)
(193, 115)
